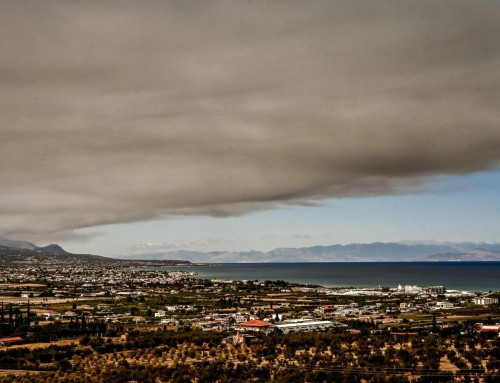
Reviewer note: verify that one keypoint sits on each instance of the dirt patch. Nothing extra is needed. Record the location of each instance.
(16, 372)
(446, 365)
(45, 300)
(32, 346)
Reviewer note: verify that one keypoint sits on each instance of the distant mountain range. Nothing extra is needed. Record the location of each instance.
(371, 252)
(10, 255)
(21, 251)
(52, 248)
(467, 256)
(14, 252)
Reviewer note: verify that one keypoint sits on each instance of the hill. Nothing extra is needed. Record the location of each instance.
(15, 244)
(355, 252)
(9, 255)
(475, 255)
(14, 252)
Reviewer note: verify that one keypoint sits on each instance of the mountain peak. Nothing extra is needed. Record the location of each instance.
(53, 249)
(15, 244)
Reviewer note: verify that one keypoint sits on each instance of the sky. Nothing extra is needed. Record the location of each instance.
(142, 126)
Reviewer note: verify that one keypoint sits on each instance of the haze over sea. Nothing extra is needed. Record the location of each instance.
(467, 276)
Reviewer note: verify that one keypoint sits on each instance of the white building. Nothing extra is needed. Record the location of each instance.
(308, 326)
(444, 305)
(485, 301)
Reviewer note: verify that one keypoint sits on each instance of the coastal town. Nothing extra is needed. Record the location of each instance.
(110, 310)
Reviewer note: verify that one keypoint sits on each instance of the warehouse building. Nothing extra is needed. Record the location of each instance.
(308, 326)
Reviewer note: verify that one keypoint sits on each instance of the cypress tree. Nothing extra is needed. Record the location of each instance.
(28, 315)
(11, 318)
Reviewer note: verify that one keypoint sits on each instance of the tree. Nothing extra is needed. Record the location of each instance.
(28, 315)
(11, 317)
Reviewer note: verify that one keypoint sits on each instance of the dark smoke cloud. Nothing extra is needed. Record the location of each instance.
(118, 111)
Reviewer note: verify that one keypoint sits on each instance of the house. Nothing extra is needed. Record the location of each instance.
(50, 314)
(160, 314)
(485, 301)
(10, 340)
(327, 308)
(488, 327)
(444, 305)
(256, 326)
(238, 339)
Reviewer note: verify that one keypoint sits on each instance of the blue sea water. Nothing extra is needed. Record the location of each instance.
(469, 276)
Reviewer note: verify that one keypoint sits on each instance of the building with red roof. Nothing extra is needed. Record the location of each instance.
(255, 325)
(10, 340)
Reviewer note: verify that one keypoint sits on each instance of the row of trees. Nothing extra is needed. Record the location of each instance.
(14, 316)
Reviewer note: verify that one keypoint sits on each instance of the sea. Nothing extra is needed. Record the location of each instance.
(463, 276)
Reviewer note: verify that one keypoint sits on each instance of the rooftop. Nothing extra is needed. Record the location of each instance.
(255, 323)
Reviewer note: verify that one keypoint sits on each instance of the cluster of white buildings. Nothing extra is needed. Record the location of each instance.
(173, 309)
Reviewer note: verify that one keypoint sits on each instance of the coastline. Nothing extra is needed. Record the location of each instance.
(468, 276)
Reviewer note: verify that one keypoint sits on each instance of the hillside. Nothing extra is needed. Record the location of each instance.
(371, 252)
(9, 255)
(476, 255)
(15, 244)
